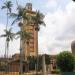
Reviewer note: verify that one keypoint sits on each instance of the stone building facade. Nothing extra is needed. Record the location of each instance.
(30, 47)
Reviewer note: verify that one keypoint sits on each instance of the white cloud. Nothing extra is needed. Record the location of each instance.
(2, 40)
(60, 29)
(51, 3)
(14, 47)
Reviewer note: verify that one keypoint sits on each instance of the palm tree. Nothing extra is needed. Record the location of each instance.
(24, 37)
(19, 17)
(9, 37)
(38, 20)
(7, 5)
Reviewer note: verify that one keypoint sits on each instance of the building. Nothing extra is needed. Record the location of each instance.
(30, 47)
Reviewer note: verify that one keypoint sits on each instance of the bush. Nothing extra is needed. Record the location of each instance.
(65, 61)
(47, 59)
(32, 62)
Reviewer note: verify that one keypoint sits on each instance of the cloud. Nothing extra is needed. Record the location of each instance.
(2, 40)
(51, 3)
(60, 29)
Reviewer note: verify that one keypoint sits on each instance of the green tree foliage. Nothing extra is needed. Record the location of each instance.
(65, 61)
(33, 61)
(19, 16)
(7, 5)
(9, 35)
(47, 59)
(38, 20)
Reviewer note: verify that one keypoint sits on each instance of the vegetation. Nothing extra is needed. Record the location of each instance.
(9, 37)
(38, 20)
(65, 61)
(19, 17)
(55, 72)
(47, 59)
(7, 5)
(8, 34)
(33, 61)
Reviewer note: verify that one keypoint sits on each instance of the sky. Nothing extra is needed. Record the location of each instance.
(60, 26)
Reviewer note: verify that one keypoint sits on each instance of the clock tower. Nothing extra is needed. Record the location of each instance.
(30, 47)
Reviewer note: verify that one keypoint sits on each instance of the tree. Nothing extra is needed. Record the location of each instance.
(65, 61)
(19, 17)
(38, 20)
(7, 5)
(47, 59)
(9, 37)
(25, 37)
(32, 61)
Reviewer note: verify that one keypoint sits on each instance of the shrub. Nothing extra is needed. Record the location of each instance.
(47, 59)
(65, 61)
(32, 61)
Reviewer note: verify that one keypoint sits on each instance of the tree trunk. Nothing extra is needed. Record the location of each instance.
(37, 53)
(21, 58)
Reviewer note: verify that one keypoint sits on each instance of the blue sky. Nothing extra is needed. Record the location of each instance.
(43, 6)
(60, 25)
